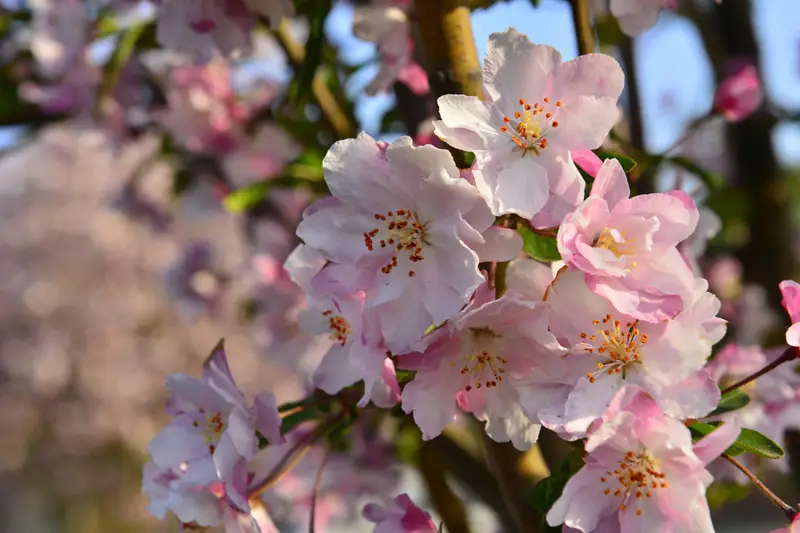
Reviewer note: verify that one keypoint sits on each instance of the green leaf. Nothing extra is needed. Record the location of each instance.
(752, 441)
(749, 440)
(549, 489)
(711, 179)
(540, 247)
(301, 86)
(626, 162)
(731, 401)
(244, 199)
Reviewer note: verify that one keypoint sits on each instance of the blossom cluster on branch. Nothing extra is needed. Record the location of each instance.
(414, 295)
(414, 272)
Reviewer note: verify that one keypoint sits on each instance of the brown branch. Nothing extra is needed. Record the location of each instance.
(583, 26)
(447, 504)
(635, 119)
(315, 492)
(787, 509)
(451, 58)
(324, 97)
(473, 475)
(790, 354)
(504, 460)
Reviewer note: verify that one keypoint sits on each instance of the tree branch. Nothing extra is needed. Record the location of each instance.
(583, 26)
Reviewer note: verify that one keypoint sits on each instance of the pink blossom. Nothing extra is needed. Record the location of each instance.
(203, 112)
(386, 24)
(627, 246)
(410, 229)
(537, 110)
(739, 94)
(641, 473)
(199, 506)
(213, 430)
(201, 27)
(635, 16)
(790, 290)
(401, 517)
(609, 351)
(357, 349)
(478, 361)
(794, 527)
(262, 157)
(59, 36)
(694, 247)
(192, 282)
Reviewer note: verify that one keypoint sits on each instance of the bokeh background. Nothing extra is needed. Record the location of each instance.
(91, 321)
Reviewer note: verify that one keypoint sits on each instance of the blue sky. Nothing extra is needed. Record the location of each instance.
(676, 79)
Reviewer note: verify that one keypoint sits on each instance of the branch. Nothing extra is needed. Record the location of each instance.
(789, 354)
(635, 119)
(451, 58)
(328, 104)
(583, 26)
(447, 504)
(503, 460)
(787, 509)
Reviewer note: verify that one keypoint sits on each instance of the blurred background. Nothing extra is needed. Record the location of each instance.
(124, 257)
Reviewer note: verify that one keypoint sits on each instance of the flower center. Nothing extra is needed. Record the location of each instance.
(637, 476)
(614, 240)
(340, 328)
(529, 127)
(618, 347)
(403, 232)
(212, 426)
(483, 365)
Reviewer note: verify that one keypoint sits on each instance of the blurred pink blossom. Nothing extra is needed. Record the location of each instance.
(740, 93)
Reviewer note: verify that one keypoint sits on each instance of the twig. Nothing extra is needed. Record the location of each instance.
(502, 459)
(787, 509)
(635, 119)
(294, 455)
(788, 355)
(315, 493)
(445, 501)
(326, 100)
(583, 26)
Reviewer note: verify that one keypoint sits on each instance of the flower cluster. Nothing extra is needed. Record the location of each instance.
(413, 276)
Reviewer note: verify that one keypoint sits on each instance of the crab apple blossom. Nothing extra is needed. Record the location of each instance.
(203, 27)
(413, 229)
(790, 290)
(200, 507)
(627, 246)
(357, 350)
(386, 24)
(476, 362)
(635, 16)
(403, 516)
(740, 93)
(213, 430)
(537, 110)
(609, 351)
(641, 473)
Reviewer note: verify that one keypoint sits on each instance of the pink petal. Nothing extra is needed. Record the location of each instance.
(500, 244)
(587, 160)
(611, 184)
(712, 445)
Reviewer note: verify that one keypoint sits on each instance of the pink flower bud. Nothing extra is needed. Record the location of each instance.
(740, 94)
